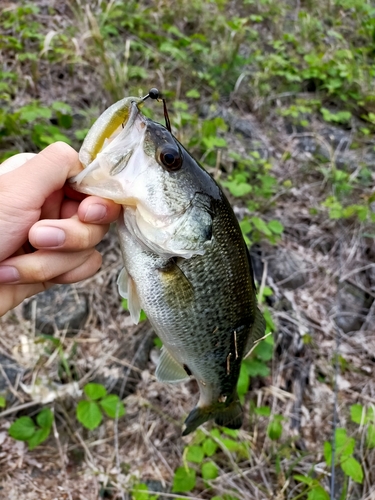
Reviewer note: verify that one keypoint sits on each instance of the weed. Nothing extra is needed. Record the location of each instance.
(34, 433)
(90, 411)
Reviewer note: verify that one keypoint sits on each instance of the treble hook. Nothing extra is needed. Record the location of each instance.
(155, 94)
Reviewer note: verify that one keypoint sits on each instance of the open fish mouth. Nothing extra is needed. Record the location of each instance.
(102, 168)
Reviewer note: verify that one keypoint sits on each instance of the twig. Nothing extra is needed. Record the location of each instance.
(9, 411)
(337, 372)
(63, 468)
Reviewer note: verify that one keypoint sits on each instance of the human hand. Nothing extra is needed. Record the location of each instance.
(38, 210)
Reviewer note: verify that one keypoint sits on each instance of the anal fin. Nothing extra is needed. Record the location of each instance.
(169, 370)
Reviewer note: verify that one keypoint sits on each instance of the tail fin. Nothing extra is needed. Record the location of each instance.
(228, 416)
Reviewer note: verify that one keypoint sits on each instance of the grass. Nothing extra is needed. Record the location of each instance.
(299, 74)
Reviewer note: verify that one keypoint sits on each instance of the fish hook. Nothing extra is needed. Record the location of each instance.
(155, 94)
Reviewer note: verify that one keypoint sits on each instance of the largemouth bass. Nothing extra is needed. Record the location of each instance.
(185, 261)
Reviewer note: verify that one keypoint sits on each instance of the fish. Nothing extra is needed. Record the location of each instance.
(185, 260)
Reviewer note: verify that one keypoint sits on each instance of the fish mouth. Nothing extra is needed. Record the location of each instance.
(101, 175)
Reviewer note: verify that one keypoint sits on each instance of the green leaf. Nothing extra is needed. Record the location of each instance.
(214, 142)
(275, 226)
(89, 414)
(32, 112)
(112, 405)
(195, 454)
(209, 447)
(230, 445)
(353, 469)
(38, 437)
(370, 436)
(237, 188)
(183, 480)
(95, 391)
(255, 367)
(327, 452)
(274, 429)
(318, 493)
(264, 411)
(22, 429)
(2, 402)
(62, 107)
(303, 479)
(243, 381)
(45, 418)
(358, 413)
(140, 492)
(193, 93)
(209, 471)
(344, 444)
(231, 432)
(370, 410)
(261, 225)
(264, 351)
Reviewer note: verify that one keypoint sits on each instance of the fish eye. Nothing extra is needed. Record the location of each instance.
(171, 158)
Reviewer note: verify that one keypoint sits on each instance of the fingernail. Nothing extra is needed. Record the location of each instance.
(9, 274)
(48, 237)
(95, 213)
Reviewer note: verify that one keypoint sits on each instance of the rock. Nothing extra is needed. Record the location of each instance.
(60, 307)
(237, 124)
(287, 268)
(157, 487)
(311, 145)
(9, 374)
(337, 138)
(354, 306)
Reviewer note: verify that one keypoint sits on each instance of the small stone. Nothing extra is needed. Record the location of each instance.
(8, 376)
(353, 308)
(288, 269)
(60, 307)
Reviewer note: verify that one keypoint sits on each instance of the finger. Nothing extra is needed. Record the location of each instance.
(69, 235)
(12, 295)
(86, 270)
(69, 208)
(52, 206)
(15, 161)
(23, 192)
(41, 266)
(98, 210)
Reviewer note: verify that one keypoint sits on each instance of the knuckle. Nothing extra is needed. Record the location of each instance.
(40, 271)
(61, 153)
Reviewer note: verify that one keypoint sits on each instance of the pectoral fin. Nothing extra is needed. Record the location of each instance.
(168, 370)
(128, 290)
(177, 286)
(122, 283)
